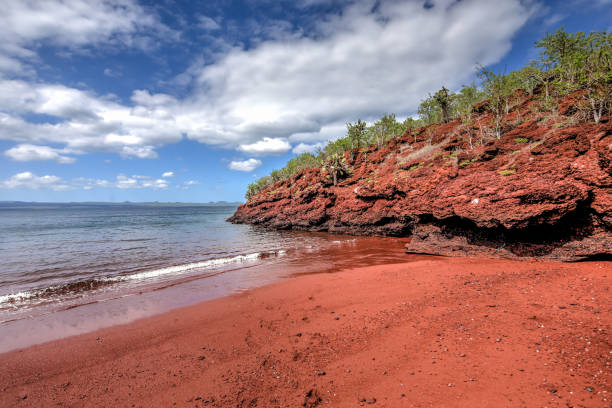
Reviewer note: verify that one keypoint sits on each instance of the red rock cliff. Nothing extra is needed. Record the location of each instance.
(541, 190)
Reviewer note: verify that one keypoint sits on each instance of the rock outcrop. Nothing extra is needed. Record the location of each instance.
(543, 189)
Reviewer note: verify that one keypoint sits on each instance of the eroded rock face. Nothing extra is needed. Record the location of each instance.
(542, 190)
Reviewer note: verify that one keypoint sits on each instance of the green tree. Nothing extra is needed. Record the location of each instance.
(444, 99)
(299, 163)
(386, 128)
(498, 89)
(255, 188)
(338, 146)
(563, 55)
(335, 164)
(580, 61)
(528, 78)
(411, 123)
(465, 100)
(596, 74)
(392, 128)
(356, 133)
(429, 111)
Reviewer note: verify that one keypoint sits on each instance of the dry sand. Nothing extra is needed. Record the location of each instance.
(434, 333)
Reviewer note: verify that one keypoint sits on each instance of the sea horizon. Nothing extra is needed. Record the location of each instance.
(203, 203)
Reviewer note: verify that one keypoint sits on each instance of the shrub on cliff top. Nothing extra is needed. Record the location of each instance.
(581, 62)
(293, 166)
(336, 166)
(567, 63)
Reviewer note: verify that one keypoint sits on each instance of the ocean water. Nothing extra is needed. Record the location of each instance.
(56, 261)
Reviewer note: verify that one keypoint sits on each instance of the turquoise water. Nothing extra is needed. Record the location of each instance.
(73, 254)
(69, 255)
(66, 270)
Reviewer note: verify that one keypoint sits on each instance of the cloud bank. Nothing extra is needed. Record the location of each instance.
(73, 24)
(30, 181)
(28, 152)
(290, 90)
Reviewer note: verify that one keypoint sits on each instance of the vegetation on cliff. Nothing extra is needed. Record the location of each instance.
(520, 166)
(568, 64)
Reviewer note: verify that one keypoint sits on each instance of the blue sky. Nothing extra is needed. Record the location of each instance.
(187, 101)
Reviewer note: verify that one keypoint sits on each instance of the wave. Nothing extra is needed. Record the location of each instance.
(76, 288)
(187, 267)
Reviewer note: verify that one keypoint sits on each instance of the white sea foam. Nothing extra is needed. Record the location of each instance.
(177, 269)
(25, 296)
(21, 296)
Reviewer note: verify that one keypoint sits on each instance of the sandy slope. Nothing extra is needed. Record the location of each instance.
(438, 333)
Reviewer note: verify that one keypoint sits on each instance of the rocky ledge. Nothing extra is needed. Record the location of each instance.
(543, 189)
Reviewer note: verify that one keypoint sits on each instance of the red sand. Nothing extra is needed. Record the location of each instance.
(435, 333)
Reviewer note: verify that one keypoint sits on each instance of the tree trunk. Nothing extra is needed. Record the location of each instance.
(335, 176)
(596, 112)
(497, 127)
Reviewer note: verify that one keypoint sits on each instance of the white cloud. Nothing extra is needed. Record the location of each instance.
(265, 146)
(141, 152)
(73, 24)
(359, 63)
(208, 23)
(168, 174)
(155, 184)
(122, 182)
(187, 184)
(111, 73)
(85, 122)
(245, 165)
(30, 180)
(28, 152)
(331, 131)
(307, 148)
(302, 88)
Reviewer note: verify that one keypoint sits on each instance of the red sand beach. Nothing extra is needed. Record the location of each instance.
(434, 333)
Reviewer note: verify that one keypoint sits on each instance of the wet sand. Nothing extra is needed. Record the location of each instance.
(432, 333)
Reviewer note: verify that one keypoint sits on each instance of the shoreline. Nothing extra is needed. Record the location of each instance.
(443, 332)
(119, 304)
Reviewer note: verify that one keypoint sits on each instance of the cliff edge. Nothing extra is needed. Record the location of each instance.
(540, 190)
